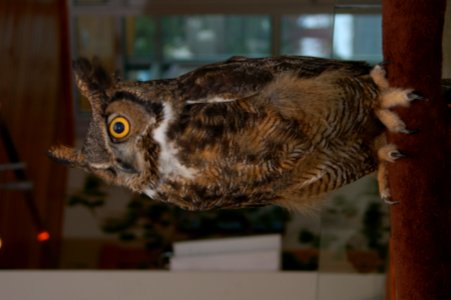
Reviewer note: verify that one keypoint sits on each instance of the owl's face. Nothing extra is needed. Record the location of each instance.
(119, 146)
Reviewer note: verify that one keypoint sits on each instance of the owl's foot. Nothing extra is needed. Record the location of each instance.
(387, 154)
(393, 122)
(390, 97)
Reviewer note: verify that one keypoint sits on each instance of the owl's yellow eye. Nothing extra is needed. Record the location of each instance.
(119, 128)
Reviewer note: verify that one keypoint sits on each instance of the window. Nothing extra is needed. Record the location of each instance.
(309, 35)
(171, 45)
(148, 42)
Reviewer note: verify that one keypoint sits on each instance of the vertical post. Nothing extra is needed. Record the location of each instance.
(412, 46)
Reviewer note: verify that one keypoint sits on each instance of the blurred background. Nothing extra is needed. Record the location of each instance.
(53, 217)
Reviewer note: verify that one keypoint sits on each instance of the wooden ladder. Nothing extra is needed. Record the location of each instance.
(22, 183)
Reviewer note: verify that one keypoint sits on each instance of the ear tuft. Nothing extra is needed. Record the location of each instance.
(66, 155)
(91, 77)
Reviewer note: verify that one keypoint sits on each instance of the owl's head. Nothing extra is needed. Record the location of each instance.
(119, 146)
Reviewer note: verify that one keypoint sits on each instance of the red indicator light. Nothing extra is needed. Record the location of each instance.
(43, 236)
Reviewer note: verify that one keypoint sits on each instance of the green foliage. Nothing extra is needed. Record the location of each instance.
(372, 224)
(149, 221)
(144, 37)
(91, 196)
(307, 237)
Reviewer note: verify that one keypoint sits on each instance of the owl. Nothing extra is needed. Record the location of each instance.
(243, 132)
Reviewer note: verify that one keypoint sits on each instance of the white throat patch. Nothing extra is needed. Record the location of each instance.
(168, 163)
(215, 99)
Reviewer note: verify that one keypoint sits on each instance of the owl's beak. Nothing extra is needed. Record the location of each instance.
(126, 167)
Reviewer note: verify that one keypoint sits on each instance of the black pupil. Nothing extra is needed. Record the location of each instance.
(118, 127)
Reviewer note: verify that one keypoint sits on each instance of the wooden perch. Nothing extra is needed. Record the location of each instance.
(420, 223)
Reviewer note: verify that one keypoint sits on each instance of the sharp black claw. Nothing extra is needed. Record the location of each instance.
(411, 131)
(397, 154)
(389, 201)
(412, 96)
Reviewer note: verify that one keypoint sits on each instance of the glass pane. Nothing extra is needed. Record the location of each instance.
(309, 35)
(358, 37)
(140, 37)
(95, 36)
(172, 45)
(215, 37)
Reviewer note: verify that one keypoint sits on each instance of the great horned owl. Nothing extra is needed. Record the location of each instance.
(244, 132)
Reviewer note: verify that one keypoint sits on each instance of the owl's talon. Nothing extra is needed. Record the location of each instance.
(389, 201)
(412, 96)
(396, 154)
(410, 131)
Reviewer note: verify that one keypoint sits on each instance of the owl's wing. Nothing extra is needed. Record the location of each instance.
(241, 77)
(239, 154)
(258, 148)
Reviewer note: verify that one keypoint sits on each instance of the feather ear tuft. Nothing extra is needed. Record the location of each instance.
(66, 155)
(91, 77)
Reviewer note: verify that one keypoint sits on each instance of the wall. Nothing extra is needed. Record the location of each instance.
(188, 285)
(36, 107)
